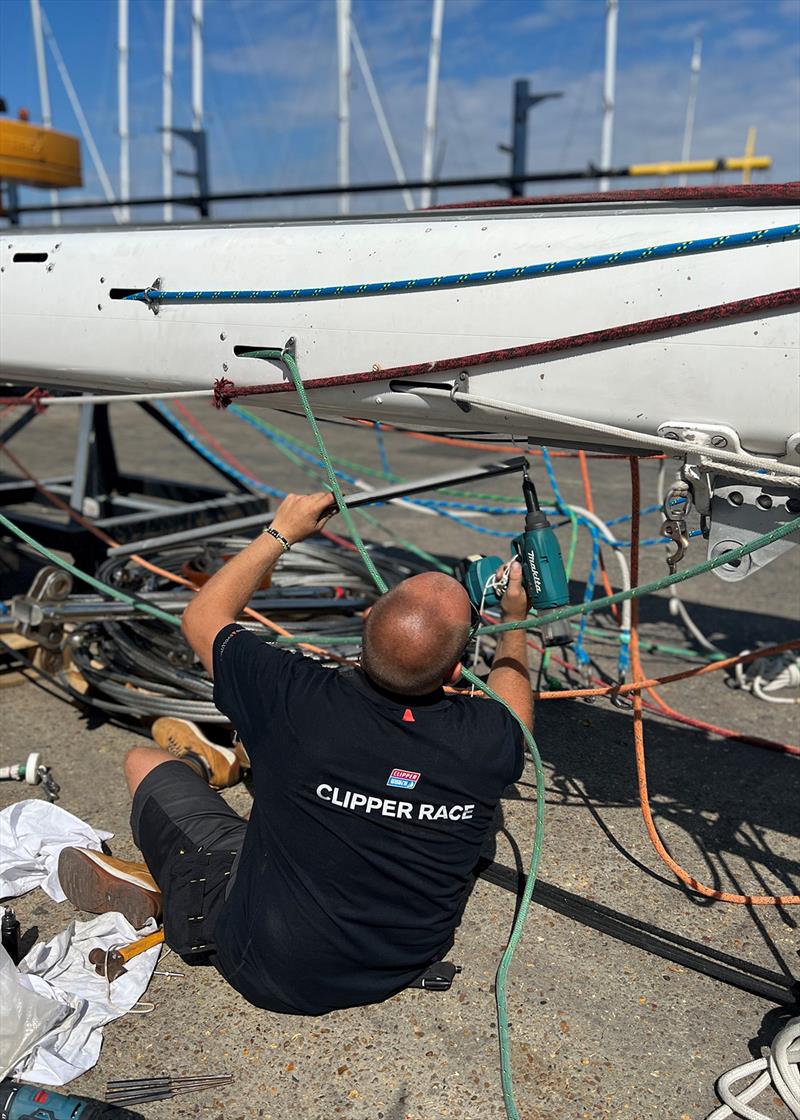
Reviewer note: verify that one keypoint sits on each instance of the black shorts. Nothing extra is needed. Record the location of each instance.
(191, 840)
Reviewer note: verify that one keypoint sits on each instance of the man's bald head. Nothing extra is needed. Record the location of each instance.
(416, 633)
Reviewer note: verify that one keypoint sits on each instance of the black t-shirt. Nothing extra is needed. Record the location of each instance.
(369, 815)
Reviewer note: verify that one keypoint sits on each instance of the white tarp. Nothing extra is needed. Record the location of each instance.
(26, 1016)
(60, 970)
(32, 834)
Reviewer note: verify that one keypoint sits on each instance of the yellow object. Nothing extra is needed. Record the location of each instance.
(38, 157)
(749, 148)
(702, 166)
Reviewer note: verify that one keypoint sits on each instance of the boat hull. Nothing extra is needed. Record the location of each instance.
(61, 326)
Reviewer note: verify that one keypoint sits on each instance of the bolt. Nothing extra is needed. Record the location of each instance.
(735, 498)
(222, 336)
(224, 367)
(50, 267)
(719, 441)
(102, 279)
(99, 307)
(764, 500)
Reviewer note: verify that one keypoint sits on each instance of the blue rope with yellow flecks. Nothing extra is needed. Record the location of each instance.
(155, 296)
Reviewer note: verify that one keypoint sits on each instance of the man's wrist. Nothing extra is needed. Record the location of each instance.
(278, 536)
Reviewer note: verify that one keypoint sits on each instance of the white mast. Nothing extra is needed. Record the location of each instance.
(609, 82)
(44, 88)
(197, 65)
(77, 109)
(122, 99)
(429, 136)
(343, 40)
(166, 110)
(377, 105)
(688, 128)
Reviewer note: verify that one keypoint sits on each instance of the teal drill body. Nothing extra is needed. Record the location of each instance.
(27, 1102)
(539, 553)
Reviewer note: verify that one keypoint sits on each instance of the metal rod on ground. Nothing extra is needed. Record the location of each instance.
(134, 1082)
(352, 501)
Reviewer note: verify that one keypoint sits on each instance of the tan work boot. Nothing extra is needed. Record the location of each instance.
(184, 739)
(98, 883)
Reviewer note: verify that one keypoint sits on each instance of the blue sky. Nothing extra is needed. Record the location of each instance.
(270, 85)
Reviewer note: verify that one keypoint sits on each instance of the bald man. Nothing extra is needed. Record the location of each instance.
(373, 793)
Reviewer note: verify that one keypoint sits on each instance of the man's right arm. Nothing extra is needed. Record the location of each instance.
(510, 675)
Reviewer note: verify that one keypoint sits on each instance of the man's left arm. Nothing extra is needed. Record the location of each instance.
(221, 600)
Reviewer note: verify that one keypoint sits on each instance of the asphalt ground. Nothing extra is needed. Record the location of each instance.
(599, 1028)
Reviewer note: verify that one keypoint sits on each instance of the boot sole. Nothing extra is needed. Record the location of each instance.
(90, 887)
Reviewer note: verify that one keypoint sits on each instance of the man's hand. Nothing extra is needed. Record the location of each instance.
(301, 515)
(227, 593)
(514, 605)
(510, 677)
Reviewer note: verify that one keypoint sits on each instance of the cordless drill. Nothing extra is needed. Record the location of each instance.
(539, 554)
(26, 1102)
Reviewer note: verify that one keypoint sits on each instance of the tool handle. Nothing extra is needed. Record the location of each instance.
(128, 952)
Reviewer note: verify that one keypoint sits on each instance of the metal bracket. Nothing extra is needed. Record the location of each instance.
(740, 512)
(461, 385)
(153, 304)
(706, 436)
(50, 585)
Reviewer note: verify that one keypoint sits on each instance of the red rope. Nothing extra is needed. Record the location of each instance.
(225, 391)
(766, 194)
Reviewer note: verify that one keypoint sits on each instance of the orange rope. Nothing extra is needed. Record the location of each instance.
(587, 497)
(638, 739)
(140, 560)
(651, 682)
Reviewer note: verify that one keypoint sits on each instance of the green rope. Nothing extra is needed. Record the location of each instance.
(359, 468)
(103, 588)
(754, 545)
(333, 482)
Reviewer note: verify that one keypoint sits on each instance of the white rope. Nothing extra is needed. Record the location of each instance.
(710, 458)
(114, 398)
(768, 675)
(779, 1071)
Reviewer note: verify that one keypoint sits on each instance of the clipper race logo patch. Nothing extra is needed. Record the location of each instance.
(403, 779)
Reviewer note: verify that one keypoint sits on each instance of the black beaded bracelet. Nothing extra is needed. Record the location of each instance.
(279, 537)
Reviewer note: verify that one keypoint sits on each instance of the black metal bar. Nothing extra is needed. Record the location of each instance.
(663, 943)
(29, 413)
(352, 501)
(195, 200)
